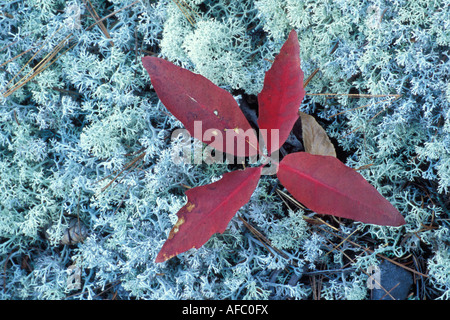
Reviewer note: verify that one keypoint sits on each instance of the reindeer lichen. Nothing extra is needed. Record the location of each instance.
(73, 127)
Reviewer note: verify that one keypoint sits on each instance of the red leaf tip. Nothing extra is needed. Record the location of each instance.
(281, 95)
(327, 186)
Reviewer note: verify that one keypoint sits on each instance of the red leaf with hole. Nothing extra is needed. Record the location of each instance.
(209, 210)
(282, 94)
(208, 112)
(327, 186)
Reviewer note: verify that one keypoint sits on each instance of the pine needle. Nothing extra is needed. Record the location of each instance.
(266, 242)
(342, 242)
(186, 9)
(356, 95)
(51, 57)
(111, 14)
(18, 56)
(48, 60)
(378, 254)
(95, 16)
(310, 77)
(132, 164)
(299, 205)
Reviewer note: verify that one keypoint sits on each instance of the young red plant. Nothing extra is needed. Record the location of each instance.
(322, 183)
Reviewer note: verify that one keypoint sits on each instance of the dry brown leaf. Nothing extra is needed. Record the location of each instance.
(315, 139)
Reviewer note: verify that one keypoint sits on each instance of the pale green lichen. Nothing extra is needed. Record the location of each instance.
(88, 115)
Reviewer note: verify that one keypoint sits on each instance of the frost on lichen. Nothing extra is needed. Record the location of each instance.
(69, 136)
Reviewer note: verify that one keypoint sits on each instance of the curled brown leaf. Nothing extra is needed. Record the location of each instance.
(315, 139)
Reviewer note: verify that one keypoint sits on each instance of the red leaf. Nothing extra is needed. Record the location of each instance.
(327, 186)
(209, 210)
(191, 97)
(282, 93)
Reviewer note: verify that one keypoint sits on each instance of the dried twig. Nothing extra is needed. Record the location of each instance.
(266, 242)
(353, 261)
(379, 255)
(132, 164)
